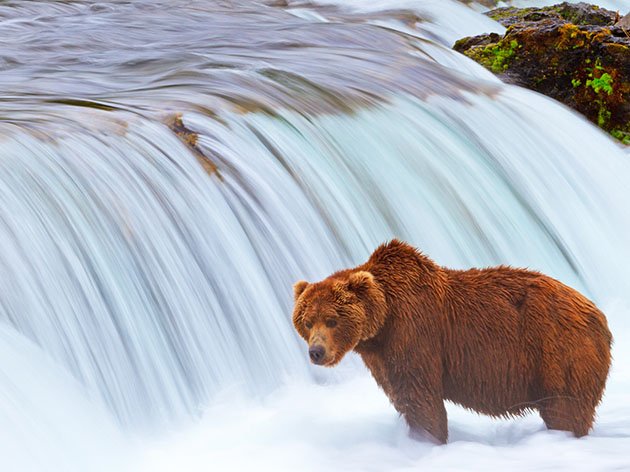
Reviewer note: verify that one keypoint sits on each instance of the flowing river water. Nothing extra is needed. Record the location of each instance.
(169, 168)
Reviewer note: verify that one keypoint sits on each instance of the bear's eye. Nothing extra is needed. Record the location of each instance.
(331, 323)
(308, 325)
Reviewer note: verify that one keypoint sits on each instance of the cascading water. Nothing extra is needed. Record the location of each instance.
(137, 284)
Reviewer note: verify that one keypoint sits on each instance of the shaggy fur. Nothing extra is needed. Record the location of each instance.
(498, 341)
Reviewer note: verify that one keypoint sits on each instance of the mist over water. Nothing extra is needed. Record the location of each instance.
(146, 267)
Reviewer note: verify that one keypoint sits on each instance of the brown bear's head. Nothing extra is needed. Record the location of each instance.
(334, 315)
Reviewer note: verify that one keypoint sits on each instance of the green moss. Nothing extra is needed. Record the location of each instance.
(503, 56)
(603, 115)
(576, 82)
(601, 83)
(496, 56)
(622, 136)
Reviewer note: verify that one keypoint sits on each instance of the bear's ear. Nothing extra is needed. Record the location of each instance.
(360, 281)
(298, 288)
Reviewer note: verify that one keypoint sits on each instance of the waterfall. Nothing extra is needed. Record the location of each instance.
(140, 276)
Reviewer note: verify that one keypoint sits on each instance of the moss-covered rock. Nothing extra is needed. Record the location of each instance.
(576, 13)
(578, 54)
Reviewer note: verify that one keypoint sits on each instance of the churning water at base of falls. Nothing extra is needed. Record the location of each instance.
(145, 267)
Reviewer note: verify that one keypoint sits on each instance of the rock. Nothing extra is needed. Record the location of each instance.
(191, 141)
(576, 13)
(578, 54)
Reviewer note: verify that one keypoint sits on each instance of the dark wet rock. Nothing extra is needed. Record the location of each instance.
(477, 41)
(576, 13)
(578, 54)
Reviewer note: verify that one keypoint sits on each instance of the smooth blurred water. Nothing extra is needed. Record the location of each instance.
(46, 420)
(151, 284)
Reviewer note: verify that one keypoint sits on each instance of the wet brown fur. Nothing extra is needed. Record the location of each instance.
(499, 341)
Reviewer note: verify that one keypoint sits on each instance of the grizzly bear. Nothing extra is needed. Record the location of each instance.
(499, 341)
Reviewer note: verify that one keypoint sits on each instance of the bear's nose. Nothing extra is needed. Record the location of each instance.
(316, 353)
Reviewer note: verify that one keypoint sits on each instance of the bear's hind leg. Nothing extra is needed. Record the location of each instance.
(567, 414)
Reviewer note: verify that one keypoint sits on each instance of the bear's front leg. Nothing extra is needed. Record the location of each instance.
(415, 389)
(417, 395)
(425, 413)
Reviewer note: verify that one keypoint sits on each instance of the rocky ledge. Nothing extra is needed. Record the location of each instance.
(578, 54)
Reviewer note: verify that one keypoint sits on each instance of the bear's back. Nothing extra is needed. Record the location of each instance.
(504, 328)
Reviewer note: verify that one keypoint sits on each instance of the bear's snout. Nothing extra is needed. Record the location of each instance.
(317, 354)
